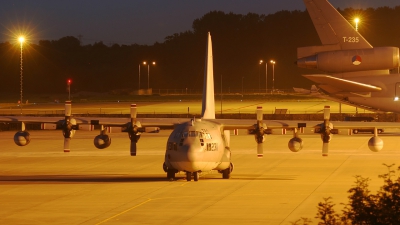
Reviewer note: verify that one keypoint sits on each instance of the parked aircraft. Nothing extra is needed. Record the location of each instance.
(196, 145)
(356, 73)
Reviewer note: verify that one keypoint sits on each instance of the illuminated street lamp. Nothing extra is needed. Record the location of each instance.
(273, 74)
(69, 81)
(266, 75)
(139, 77)
(259, 82)
(148, 73)
(21, 40)
(357, 20)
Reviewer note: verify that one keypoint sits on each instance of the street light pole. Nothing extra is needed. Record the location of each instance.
(139, 77)
(273, 74)
(266, 77)
(221, 95)
(148, 76)
(21, 40)
(69, 89)
(148, 73)
(259, 81)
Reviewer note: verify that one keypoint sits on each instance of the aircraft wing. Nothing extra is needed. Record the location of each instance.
(135, 126)
(106, 121)
(335, 85)
(145, 122)
(231, 124)
(30, 119)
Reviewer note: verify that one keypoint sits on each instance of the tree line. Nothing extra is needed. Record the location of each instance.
(239, 42)
(363, 207)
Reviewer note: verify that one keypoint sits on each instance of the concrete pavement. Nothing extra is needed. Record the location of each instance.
(40, 184)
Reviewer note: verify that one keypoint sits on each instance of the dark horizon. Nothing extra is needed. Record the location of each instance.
(129, 22)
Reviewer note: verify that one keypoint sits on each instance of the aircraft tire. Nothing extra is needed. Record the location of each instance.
(226, 173)
(196, 176)
(171, 175)
(188, 176)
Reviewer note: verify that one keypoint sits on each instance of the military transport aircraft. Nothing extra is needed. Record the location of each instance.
(196, 145)
(357, 73)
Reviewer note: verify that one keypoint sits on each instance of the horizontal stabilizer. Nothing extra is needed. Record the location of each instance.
(341, 85)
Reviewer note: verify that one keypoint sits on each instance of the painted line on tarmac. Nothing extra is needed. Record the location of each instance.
(125, 211)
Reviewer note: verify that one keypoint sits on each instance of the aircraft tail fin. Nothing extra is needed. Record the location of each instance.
(208, 106)
(333, 28)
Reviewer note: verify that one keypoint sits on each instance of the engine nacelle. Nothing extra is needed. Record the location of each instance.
(341, 61)
(326, 138)
(68, 131)
(22, 138)
(375, 144)
(102, 141)
(259, 138)
(295, 144)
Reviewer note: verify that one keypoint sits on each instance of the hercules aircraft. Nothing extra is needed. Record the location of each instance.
(357, 73)
(196, 145)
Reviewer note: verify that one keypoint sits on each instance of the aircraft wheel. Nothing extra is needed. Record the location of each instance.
(171, 175)
(188, 176)
(196, 176)
(226, 173)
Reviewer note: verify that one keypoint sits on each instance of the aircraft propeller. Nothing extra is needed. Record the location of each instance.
(134, 130)
(259, 132)
(68, 127)
(326, 128)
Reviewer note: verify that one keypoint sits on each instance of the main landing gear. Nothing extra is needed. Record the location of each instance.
(226, 173)
(195, 175)
(171, 175)
(170, 172)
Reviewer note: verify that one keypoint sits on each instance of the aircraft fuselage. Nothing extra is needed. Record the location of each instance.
(197, 146)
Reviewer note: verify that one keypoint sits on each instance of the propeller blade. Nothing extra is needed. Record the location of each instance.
(260, 152)
(325, 147)
(133, 148)
(68, 108)
(259, 113)
(327, 112)
(66, 144)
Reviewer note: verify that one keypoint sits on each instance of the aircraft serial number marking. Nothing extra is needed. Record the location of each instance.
(351, 39)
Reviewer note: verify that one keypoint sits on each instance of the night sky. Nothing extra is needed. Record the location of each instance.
(131, 21)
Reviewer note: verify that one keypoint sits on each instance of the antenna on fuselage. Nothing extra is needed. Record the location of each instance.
(208, 106)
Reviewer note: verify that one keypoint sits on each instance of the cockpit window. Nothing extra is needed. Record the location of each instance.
(190, 134)
(193, 133)
(199, 134)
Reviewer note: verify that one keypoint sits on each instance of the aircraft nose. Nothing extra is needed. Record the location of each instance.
(191, 152)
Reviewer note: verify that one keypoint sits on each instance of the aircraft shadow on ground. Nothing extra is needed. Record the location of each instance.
(80, 178)
(53, 179)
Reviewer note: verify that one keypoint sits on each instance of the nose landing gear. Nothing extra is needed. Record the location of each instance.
(195, 175)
